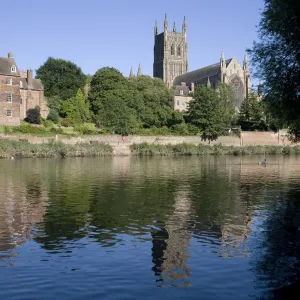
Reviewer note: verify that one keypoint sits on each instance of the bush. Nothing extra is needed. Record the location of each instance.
(66, 122)
(53, 116)
(180, 129)
(47, 123)
(57, 130)
(86, 128)
(27, 128)
(33, 115)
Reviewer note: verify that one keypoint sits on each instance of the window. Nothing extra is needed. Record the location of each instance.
(181, 92)
(172, 50)
(14, 69)
(21, 100)
(9, 81)
(178, 102)
(21, 84)
(178, 51)
(9, 113)
(9, 97)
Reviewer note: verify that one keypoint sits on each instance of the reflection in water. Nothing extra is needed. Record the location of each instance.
(170, 244)
(220, 225)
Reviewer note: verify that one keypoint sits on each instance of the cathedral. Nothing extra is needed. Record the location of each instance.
(171, 65)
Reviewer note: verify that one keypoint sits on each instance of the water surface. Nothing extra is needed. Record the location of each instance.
(148, 228)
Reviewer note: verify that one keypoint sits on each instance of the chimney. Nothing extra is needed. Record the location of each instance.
(29, 78)
(192, 87)
(10, 55)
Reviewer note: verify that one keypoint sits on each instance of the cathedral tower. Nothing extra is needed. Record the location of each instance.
(170, 53)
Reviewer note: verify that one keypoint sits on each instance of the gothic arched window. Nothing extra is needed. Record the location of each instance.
(172, 50)
(178, 51)
(238, 88)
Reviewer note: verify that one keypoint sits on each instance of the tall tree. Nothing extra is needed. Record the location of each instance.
(205, 112)
(251, 116)
(61, 78)
(277, 59)
(228, 103)
(76, 109)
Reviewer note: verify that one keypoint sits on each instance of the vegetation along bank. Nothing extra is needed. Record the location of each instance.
(18, 149)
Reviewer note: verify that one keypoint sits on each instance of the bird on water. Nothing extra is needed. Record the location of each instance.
(263, 163)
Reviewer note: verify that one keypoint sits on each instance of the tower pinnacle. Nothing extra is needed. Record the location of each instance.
(139, 73)
(174, 27)
(166, 23)
(208, 82)
(156, 28)
(184, 26)
(245, 61)
(131, 73)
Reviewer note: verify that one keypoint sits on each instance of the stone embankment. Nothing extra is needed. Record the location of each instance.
(121, 146)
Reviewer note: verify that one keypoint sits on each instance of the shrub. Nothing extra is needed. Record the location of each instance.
(86, 128)
(57, 130)
(33, 115)
(66, 122)
(47, 123)
(53, 116)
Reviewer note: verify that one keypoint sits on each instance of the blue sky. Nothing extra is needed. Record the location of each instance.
(119, 33)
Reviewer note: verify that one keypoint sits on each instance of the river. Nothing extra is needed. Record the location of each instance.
(210, 227)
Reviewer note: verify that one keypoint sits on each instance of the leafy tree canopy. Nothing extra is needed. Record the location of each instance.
(205, 112)
(60, 78)
(276, 57)
(33, 115)
(252, 115)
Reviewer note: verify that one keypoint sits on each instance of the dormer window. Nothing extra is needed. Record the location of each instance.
(14, 69)
(181, 92)
(9, 81)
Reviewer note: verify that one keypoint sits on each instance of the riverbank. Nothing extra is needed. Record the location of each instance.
(19, 149)
(16, 149)
(202, 149)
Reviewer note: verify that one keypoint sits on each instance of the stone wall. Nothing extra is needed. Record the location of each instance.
(264, 138)
(248, 139)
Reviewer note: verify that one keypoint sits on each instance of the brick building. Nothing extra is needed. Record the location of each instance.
(19, 91)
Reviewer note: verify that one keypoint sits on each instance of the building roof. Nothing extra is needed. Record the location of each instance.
(212, 72)
(183, 88)
(36, 84)
(5, 66)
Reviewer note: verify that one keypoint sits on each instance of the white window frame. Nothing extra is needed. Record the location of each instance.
(9, 81)
(9, 115)
(9, 97)
(13, 69)
(181, 92)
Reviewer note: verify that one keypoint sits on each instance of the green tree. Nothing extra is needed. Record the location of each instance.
(227, 100)
(33, 115)
(115, 115)
(76, 109)
(60, 78)
(252, 115)
(205, 112)
(106, 82)
(276, 57)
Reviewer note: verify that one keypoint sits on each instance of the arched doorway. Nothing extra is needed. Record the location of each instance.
(238, 87)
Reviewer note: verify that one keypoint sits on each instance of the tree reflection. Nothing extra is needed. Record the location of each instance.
(278, 263)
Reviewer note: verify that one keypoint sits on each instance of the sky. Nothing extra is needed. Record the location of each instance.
(120, 33)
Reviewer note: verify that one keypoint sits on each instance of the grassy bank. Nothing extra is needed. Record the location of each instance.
(23, 149)
(190, 149)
